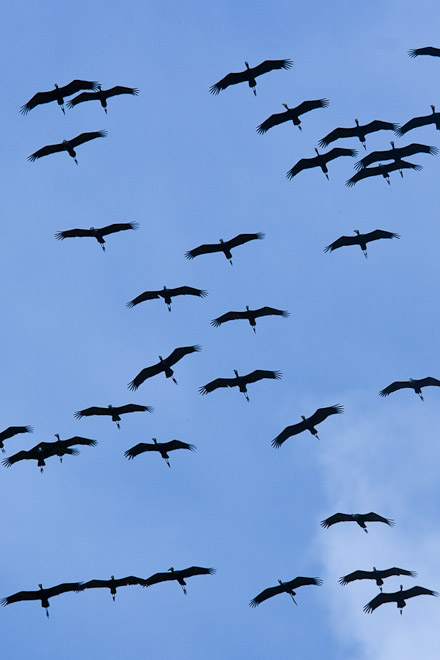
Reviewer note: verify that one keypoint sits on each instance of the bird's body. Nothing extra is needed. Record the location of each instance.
(376, 575)
(382, 170)
(427, 50)
(102, 95)
(320, 160)
(161, 447)
(412, 383)
(11, 431)
(416, 122)
(67, 145)
(113, 411)
(167, 295)
(359, 518)
(249, 315)
(42, 594)
(285, 587)
(307, 424)
(223, 246)
(240, 381)
(96, 232)
(179, 576)
(395, 154)
(357, 131)
(397, 597)
(113, 584)
(163, 365)
(58, 94)
(291, 114)
(360, 239)
(249, 75)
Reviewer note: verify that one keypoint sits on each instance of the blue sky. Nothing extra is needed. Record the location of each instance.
(190, 168)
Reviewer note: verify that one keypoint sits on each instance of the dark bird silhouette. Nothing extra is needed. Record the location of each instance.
(67, 145)
(113, 411)
(397, 597)
(162, 447)
(45, 450)
(58, 94)
(291, 114)
(375, 574)
(240, 381)
(167, 294)
(382, 170)
(395, 154)
(360, 239)
(62, 447)
(113, 584)
(285, 588)
(359, 518)
(307, 424)
(249, 75)
(180, 576)
(320, 160)
(102, 95)
(250, 315)
(42, 594)
(357, 131)
(416, 122)
(11, 431)
(96, 232)
(428, 50)
(224, 246)
(163, 365)
(412, 383)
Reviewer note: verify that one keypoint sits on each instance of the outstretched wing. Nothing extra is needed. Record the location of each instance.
(78, 440)
(132, 407)
(73, 233)
(270, 65)
(336, 518)
(119, 89)
(177, 444)
(416, 122)
(218, 382)
(146, 295)
(272, 121)
(304, 581)
(389, 572)
(397, 385)
(364, 174)
(229, 79)
(303, 164)
(38, 99)
(271, 311)
(374, 517)
(179, 353)
(243, 238)
(47, 150)
(267, 593)
(380, 599)
(159, 577)
(196, 570)
(337, 152)
(85, 96)
(229, 316)
(377, 234)
(342, 242)
(356, 575)
(77, 85)
(259, 374)
(139, 449)
(120, 226)
(418, 591)
(187, 291)
(294, 429)
(336, 134)
(428, 50)
(93, 410)
(374, 157)
(322, 413)
(86, 137)
(206, 248)
(425, 382)
(148, 372)
(19, 456)
(14, 430)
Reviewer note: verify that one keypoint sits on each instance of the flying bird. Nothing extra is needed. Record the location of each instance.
(360, 239)
(249, 75)
(320, 160)
(178, 575)
(395, 154)
(285, 588)
(58, 94)
(357, 131)
(250, 315)
(113, 411)
(416, 122)
(382, 170)
(45, 450)
(97, 232)
(11, 431)
(375, 574)
(224, 246)
(397, 597)
(359, 518)
(42, 594)
(167, 294)
(307, 424)
(163, 365)
(67, 145)
(240, 381)
(113, 584)
(62, 447)
(102, 95)
(162, 447)
(428, 50)
(413, 384)
(291, 114)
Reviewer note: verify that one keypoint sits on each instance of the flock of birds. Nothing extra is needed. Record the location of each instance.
(44, 450)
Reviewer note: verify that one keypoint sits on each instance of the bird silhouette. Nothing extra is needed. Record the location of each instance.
(249, 75)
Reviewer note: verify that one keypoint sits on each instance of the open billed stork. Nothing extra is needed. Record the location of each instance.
(240, 381)
(382, 170)
(375, 574)
(360, 239)
(397, 597)
(223, 246)
(113, 411)
(359, 518)
(161, 447)
(45, 450)
(285, 588)
(67, 145)
(42, 594)
(427, 50)
(291, 114)
(249, 75)
(11, 431)
(250, 315)
(357, 131)
(395, 153)
(167, 295)
(58, 94)
(412, 383)
(97, 232)
(113, 584)
(179, 576)
(307, 424)
(416, 122)
(102, 95)
(320, 160)
(163, 365)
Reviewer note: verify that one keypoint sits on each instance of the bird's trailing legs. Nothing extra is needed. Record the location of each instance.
(293, 598)
(174, 380)
(422, 399)
(167, 462)
(365, 254)
(169, 307)
(118, 425)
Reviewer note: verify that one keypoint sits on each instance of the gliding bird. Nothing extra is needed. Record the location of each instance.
(291, 114)
(58, 94)
(163, 365)
(360, 239)
(395, 154)
(167, 294)
(320, 160)
(162, 447)
(113, 411)
(240, 381)
(412, 383)
(357, 131)
(113, 584)
(178, 575)
(224, 246)
(249, 75)
(427, 50)
(434, 118)
(376, 575)
(96, 232)
(307, 424)
(285, 587)
(359, 518)
(397, 597)
(382, 170)
(67, 145)
(42, 594)
(102, 95)
(250, 315)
